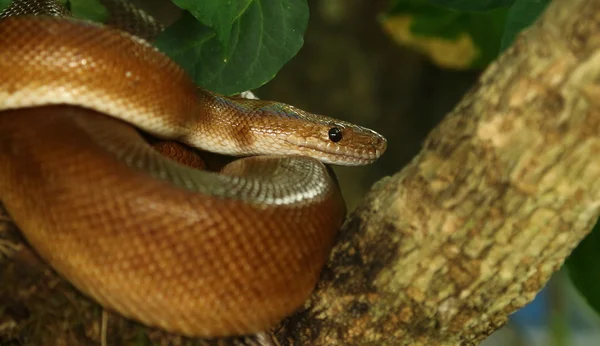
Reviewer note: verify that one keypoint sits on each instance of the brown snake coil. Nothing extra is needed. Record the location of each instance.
(193, 252)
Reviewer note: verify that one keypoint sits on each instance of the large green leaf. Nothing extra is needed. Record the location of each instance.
(472, 5)
(266, 36)
(521, 15)
(584, 268)
(216, 14)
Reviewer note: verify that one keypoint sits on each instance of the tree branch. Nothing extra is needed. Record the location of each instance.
(503, 190)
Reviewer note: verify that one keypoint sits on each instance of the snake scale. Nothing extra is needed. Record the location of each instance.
(193, 252)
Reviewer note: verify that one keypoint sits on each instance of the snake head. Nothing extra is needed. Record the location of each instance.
(327, 139)
(258, 127)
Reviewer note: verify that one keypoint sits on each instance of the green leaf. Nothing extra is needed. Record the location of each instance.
(86, 9)
(4, 4)
(220, 15)
(472, 5)
(434, 21)
(521, 15)
(266, 36)
(485, 28)
(583, 266)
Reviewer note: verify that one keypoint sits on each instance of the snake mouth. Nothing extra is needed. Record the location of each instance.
(336, 154)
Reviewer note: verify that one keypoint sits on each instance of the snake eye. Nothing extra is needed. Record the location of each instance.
(335, 134)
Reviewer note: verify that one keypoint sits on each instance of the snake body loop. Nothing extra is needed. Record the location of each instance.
(193, 252)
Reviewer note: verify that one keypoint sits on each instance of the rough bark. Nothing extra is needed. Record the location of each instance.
(502, 191)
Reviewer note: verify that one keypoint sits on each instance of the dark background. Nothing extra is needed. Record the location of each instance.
(350, 69)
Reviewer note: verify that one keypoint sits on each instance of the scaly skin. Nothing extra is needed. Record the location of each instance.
(192, 252)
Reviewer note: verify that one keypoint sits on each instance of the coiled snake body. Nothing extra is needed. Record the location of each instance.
(194, 252)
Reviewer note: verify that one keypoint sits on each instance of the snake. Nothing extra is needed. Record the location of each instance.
(194, 252)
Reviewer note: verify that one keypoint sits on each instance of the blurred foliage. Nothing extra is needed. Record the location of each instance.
(583, 265)
(86, 9)
(4, 4)
(460, 34)
(472, 5)
(450, 38)
(521, 14)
